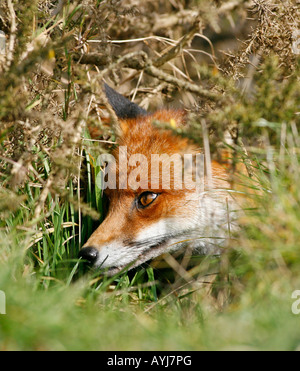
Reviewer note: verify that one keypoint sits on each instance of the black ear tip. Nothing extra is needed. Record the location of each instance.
(124, 108)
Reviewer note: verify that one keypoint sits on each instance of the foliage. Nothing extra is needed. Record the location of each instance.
(57, 54)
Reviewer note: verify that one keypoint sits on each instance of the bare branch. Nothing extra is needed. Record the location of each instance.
(140, 61)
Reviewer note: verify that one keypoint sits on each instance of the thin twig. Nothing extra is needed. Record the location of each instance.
(12, 36)
(185, 85)
(175, 50)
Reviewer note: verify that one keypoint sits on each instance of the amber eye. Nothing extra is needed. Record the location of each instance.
(146, 199)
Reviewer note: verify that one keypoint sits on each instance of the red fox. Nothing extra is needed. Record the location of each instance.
(147, 217)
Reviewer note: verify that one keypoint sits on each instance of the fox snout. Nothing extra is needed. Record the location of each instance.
(134, 233)
(131, 234)
(89, 254)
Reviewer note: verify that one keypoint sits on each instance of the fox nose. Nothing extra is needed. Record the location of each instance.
(89, 254)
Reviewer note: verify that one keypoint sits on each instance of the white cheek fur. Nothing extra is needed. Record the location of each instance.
(204, 226)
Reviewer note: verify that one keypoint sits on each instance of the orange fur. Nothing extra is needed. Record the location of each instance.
(122, 231)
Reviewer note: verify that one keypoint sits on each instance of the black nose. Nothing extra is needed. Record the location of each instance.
(89, 254)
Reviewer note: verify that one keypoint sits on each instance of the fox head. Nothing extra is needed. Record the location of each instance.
(155, 204)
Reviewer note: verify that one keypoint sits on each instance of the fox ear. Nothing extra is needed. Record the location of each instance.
(123, 107)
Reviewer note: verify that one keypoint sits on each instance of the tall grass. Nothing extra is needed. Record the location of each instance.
(50, 204)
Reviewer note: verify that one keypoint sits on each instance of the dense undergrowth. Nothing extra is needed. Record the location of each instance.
(247, 92)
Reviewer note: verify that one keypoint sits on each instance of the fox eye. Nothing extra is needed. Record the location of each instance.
(146, 199)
